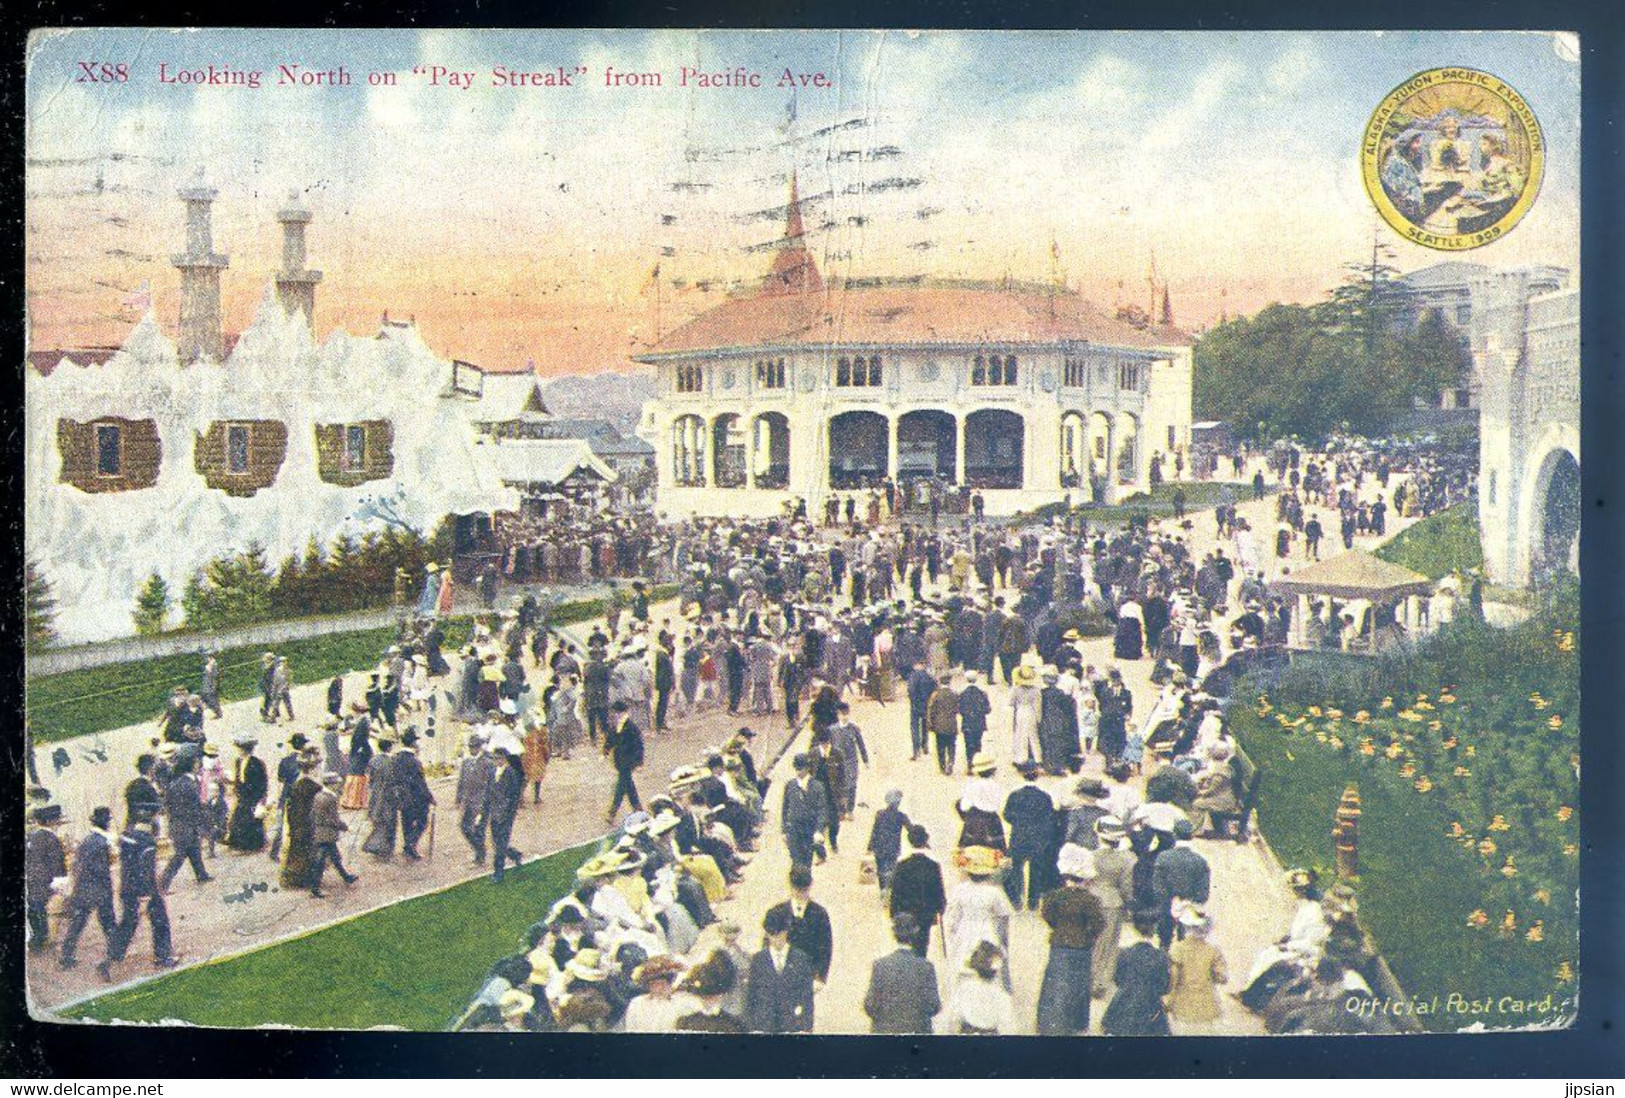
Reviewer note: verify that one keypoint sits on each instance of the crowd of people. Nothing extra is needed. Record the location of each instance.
(987, 633)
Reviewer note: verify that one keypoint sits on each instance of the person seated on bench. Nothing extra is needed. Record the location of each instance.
(1219, 789)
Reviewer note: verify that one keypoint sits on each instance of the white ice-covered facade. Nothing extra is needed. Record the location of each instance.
(99, 546)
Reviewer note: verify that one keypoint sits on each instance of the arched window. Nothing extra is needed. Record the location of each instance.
(690, 379)
(993, 370)
(858, 372)
(843, 372)
(978, 372)
(874, 370)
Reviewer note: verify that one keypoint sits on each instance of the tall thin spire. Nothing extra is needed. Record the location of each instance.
(793, 270)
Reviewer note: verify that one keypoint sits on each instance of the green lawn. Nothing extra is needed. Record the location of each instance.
(100, 699)
(1439, 544)
(415, 964)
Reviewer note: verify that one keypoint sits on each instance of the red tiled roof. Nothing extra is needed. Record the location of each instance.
(46, 361)
(904, 313)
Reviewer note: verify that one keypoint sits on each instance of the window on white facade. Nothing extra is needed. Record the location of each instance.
(690, 379)
(858, 372)
(1129, 375)
(354, 455)
(237, 448)
(993, 370)
(109, 450)
(1076, 374)
(770, 373)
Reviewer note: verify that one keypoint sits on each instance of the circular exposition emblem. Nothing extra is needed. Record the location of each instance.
(1453, 158)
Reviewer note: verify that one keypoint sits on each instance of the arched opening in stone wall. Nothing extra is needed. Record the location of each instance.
(1074, 450)
(770, 450)
(727, 451)
(995, 445)
(688, 451)
(857, 449)
(1101, 445)
(927, 444)
(1558, 520)
(1128, 447)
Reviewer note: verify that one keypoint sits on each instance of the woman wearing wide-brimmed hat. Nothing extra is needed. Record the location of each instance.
(978, 909)
(1076, 920)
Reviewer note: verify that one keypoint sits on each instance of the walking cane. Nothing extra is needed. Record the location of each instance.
(434, 815)
(943, 934)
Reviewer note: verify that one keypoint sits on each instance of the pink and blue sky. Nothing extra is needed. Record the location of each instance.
(522, 225)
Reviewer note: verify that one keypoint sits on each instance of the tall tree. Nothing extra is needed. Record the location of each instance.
(152, 605)
(40, 606)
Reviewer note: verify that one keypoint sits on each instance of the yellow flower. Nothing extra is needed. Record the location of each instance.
(1565, 812)
(1393, 751)
(1435, 726)
(1456, 831)
(1299, 722)
(1542, 896)
(1407, 770)
(1509, 922)
(1314, 711)
(1368, 748)
(1448, 744)
(1487, 847)
(1565, 973)
(1571, 849)
(1334, 714)
(1470, 751)
(1424, 783)
(1574, 760)
(1499, 823)
(1509, 870)
(1555, 722)
(1426, 707)
(1321, 736)
(1362, 717)
(1537, 932)
(1478, 918)
(1336, 744)
(1463, 772)
(1566, 643)
(1388, 702)
(1448, 699)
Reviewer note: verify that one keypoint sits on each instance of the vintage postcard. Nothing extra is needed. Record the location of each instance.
(803, 532)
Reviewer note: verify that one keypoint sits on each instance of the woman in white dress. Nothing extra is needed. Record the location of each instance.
(978, 910)
(1024, 707)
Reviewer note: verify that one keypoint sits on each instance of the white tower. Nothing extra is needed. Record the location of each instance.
(295, 284)
(200, 267)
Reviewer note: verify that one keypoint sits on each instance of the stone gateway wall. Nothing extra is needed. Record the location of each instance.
(378, 459)
(141, 454)
(267, 446)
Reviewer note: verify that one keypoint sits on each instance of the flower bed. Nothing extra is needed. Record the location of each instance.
(1466, 756)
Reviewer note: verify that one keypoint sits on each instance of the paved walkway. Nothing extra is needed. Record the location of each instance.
(226, 916)
(1249, 905)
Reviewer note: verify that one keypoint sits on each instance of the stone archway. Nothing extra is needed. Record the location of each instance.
(688, 451)
(1126, 459)
(770, 450)
(1553, 535)
(1074, 464)
(927, 445)
(995, 449)
(859, 450)
(727, 451)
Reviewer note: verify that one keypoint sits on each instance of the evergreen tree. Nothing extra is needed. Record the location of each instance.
(40, 606)
(152, 606)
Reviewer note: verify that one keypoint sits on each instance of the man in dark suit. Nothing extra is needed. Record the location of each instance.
(138, 885)
(921, 685)
(625, 746)
(1030, 812)
(474, 778)
(595, 697)
(804, 813)
(188, 817)
(502, 799)
(665, 682)
(44, 861)
(916, 887)
(902, 995)
(92, 890)
(412, 794)
(779, 990)
(1179, 873)
(810, 930)
(141, 790)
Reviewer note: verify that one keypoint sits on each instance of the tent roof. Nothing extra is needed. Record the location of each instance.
(541, 461)
(1354, 575)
